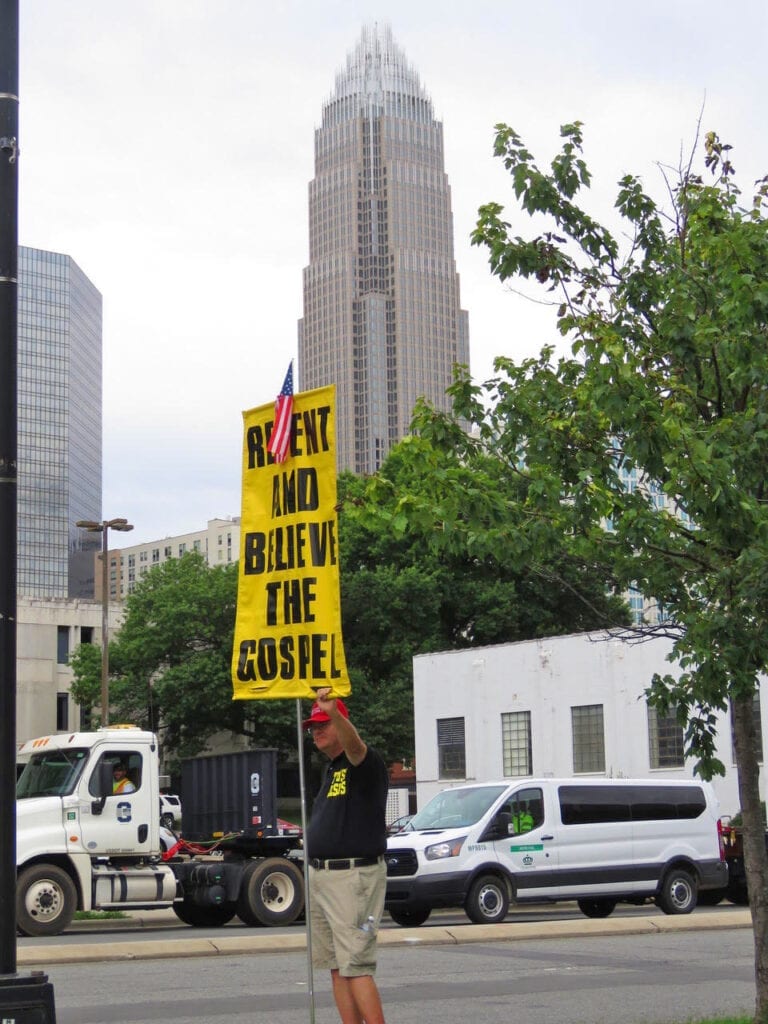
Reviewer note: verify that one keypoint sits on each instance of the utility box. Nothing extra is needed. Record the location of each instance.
(227, 793)
(27, 999)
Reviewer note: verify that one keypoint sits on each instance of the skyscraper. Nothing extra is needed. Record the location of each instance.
(382, 317)
(59, 422)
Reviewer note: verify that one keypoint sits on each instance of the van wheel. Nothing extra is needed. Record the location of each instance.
(487, 901)
(46, 900)
(596, 908)
(677, 894)
(410, 918)
(271, 892)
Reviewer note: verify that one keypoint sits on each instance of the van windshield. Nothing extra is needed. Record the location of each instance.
(50, 773)
(456, 808)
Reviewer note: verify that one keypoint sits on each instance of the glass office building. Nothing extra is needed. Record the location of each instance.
(382, 318)
(59, 424)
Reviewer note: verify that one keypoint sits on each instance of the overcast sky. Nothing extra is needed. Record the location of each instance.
(167, 146)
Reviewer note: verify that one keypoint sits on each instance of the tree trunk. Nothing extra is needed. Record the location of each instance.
(748, 759)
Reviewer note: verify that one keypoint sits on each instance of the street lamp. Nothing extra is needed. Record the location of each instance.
(103, 528)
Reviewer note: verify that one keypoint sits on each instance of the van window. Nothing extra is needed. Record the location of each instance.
(526, 810)
(455, 808)
(652, 803)
(584, 805)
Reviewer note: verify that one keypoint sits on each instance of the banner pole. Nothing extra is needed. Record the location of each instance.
(308, 930)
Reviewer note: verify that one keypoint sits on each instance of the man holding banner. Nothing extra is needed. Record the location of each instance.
(288, 644)
(346, 841)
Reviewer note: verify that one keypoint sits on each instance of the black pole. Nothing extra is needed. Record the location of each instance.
(9, 191)
(27, 997)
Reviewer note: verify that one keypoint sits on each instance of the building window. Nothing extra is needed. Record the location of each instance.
(665, 739)
(516, 743)
(86, 634)
(62, 711)
(758, 730)
(588, 738)
(62, 645)
(451, 753)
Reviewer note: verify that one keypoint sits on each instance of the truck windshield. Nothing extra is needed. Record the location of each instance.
(456, 808)
(50, 773)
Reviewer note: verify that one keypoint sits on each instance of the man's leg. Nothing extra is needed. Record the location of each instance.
(357, 999)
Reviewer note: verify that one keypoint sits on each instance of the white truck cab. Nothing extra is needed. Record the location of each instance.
(88, 835)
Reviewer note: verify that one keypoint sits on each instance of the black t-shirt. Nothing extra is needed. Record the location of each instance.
(348, 815)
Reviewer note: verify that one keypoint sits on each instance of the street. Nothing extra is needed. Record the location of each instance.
(621, 979)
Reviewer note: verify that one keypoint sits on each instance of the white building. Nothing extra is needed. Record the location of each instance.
(218, 543)
(48, 631)
(563, 706)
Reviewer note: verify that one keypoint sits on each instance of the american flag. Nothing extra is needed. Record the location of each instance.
(281, 432)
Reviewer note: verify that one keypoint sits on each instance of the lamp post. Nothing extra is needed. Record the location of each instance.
(103, 528)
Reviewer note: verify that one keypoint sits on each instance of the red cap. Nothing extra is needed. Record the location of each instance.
(317, 715)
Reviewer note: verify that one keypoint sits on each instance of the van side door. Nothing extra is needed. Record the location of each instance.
(528, 850)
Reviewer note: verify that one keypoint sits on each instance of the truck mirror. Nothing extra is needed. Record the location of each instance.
(104, 783)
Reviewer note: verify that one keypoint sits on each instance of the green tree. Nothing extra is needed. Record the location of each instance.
(401, 597)
(170, 663)
(86, 683)
(665, 389)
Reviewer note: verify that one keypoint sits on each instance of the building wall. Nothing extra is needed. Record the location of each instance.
(382, 318)
(548, 678)
(48, 631)
(59, 423)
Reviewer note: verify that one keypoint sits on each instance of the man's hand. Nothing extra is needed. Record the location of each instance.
(324, 701)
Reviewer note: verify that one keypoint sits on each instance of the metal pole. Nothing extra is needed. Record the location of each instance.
(303, 793)
(104, 627)
(9, 190)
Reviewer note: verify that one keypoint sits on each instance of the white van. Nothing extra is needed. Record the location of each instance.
(597, 841)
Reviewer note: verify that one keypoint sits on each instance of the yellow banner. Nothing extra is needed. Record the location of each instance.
(288, 640)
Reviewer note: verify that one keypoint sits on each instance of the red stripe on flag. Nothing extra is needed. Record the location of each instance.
(280, 437)
(281, 432)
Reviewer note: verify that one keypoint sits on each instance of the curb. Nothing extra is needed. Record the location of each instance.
(142, 949)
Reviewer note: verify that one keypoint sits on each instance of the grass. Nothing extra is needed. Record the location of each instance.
(99, 915)
(724, 1020)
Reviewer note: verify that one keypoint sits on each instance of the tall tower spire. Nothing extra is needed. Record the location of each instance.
(382, 317)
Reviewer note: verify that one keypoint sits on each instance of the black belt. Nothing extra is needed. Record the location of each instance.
(342, 865)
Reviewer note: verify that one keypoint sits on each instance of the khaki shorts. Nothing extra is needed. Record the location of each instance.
(340, 903)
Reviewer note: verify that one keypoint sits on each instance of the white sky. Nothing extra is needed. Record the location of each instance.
(167, 146)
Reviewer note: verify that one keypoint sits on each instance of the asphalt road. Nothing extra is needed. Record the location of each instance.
(656, 977)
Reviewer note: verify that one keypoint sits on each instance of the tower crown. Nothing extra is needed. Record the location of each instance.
(377, 79)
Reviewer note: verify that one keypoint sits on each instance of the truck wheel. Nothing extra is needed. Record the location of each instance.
(487, 901)
(596, 908)
(46, 900)
(271, 892)
(677, 894)
(410, 918)
(205, 917)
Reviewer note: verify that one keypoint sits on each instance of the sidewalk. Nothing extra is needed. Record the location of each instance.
(261, 941)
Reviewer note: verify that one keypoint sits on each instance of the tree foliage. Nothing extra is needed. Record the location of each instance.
(644, 451)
